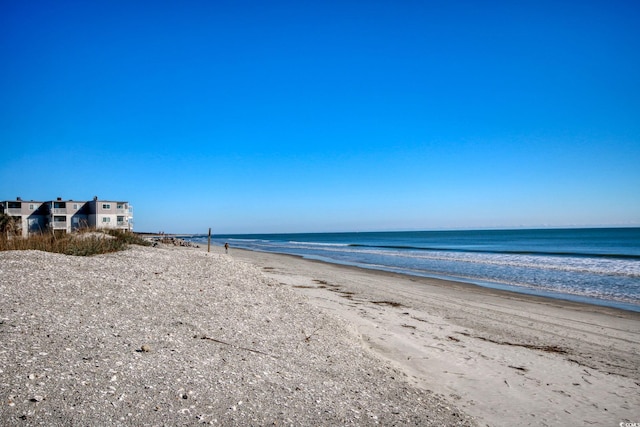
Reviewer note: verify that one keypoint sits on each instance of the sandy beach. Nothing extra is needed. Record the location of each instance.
(504, 358)
(170, 336)
(178, 336)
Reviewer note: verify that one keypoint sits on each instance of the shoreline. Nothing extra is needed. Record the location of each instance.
(556, 361)
(453, 281)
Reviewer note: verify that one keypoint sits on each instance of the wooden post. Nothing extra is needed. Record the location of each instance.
(209, 241)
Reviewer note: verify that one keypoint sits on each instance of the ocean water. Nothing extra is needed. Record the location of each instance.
(595, 265)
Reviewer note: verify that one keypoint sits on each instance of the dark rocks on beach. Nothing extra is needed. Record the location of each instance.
(173, 241)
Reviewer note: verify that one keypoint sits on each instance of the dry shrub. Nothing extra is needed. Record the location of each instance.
(79, 244)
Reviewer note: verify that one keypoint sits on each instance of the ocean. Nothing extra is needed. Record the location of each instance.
(593, 265)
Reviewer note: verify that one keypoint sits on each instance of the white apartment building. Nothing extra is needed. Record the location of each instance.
(66, 216)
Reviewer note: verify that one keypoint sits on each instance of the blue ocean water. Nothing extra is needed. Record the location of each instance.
(594, 265)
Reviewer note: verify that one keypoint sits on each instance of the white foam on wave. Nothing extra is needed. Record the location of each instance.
(589, 265)
(628, 268)
(316, 245)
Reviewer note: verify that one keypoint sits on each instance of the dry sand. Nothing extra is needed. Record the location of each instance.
(504, 358)
(172, 336)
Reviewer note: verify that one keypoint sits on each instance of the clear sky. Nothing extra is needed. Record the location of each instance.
(303, 116)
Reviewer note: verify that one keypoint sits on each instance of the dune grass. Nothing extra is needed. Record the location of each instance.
(86, 243)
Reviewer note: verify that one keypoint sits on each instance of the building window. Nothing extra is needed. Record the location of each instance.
(106, 219)
(120, 206)
(75, 206)
(106, 206)
(15, 205)
(31, 207)
(60, 219)
(59, 205)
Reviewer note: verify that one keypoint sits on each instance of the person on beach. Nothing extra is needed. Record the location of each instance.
(226, 248)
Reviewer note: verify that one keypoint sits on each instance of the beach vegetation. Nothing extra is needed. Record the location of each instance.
(8, 224)
(85, 243)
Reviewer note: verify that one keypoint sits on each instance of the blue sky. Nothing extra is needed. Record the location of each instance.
(303, 116)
